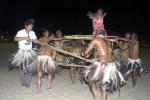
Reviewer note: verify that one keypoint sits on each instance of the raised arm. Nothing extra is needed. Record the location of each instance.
(55, 39)
(123, 39)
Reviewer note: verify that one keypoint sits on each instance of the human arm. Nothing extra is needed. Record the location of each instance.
(114, 40)
(21, 38)
(33, 37)
(55, 39)
(123, 39)
(90, 47)
(54, 55)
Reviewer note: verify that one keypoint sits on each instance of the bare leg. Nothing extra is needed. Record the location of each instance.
(50, 76)
(39, 80)
(134, 78)
(103, 93)
(72, 74)
(59, 70)
(78, 72)
(94, 90)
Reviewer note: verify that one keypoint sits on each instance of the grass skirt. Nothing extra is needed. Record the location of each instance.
(42, 63)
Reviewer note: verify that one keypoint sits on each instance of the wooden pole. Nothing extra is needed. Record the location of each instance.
(64, 52)
(91, 36)
(77, 38)
(85, 38)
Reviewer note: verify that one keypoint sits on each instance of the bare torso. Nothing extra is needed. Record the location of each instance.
(44, 50)
(125, 50)
(134, 50)
(59, 44)
(101, 46)
(59, 57)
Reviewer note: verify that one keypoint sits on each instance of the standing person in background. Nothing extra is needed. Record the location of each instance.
(125, 46)
(133, 67)
(59, 44)
(25, 55)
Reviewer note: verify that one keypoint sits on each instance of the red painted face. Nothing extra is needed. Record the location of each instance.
(99, 25)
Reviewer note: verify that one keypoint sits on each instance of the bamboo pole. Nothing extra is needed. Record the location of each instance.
(85, 38)
(64, 52)
(77, 38)
(91, 36)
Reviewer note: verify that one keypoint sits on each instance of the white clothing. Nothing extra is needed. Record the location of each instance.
(25, 44)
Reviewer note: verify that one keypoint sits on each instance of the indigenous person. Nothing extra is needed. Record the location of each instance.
(52, 36)
(44, 63)
(104, 72)
(121, 54)
(77, 49)
(134, 65)
(59, 44)
(25, 55)
(125, 47)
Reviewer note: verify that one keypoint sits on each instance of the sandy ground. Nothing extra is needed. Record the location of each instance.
(62, 89)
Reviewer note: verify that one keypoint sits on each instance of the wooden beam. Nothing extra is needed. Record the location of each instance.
(64, 52)
(91, 36)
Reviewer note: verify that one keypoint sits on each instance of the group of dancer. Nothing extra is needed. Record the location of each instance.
(108, 72)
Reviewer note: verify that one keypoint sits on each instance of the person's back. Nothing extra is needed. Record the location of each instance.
(104, 69)
(134, 50)
(134, 66)
(102, 49)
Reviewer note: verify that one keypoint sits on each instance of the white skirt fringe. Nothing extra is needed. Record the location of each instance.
(105, 73)
(42, 63)
(134, 65)
(23, 58)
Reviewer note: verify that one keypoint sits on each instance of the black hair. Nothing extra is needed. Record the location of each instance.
(59, 31)
(135, 35)
(43, 30)
(29, 22)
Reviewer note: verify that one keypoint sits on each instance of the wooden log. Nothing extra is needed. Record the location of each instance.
(83, 38)
(77, 38)
(64, 52)
(91, 36)
(82, 35)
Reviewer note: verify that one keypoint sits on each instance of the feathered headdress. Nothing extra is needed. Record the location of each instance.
(99, 14)
(97, 19)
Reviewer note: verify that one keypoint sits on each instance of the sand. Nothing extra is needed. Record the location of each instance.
(62, 88)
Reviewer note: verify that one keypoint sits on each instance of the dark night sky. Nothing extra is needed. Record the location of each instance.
(70, 15)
